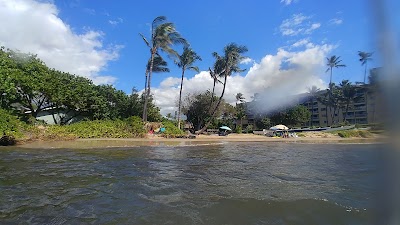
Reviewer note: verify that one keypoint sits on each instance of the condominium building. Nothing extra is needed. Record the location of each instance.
(368, 108)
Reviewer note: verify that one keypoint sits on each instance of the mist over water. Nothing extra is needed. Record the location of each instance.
(235, 183)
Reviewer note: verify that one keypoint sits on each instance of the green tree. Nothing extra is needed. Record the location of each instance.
(8, 73)
(230, 62)
(298, 115)
(333, 62)
(185, 62)
(163, 37)
(364, 58)
(349, 95)
(197, 109)
(334, 100)
(240, 108)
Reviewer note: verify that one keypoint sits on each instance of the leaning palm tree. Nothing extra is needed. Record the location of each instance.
(185, 62)
(215, 73)
(313, 91)
(230, 64)
(163, 37)
(159, 66)
(364, 58)
(333, 62)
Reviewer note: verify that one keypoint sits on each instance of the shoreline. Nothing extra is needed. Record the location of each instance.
(154, 141)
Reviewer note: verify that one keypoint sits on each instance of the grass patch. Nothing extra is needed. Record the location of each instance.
(353, 133)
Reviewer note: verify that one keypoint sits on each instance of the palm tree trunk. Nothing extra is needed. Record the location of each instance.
(365, 72)
(180, 99)
(312, 111)
(330, 80)
(347, 110)
(145, 81)
(148, 88)
(216, 108)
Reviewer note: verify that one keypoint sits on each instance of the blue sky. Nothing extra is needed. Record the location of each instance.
(210, 25)
(288, 40)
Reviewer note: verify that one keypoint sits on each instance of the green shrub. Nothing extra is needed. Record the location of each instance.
(10, 125)
(171, 130)
(238, 129)
(98, 129)
(136, 124)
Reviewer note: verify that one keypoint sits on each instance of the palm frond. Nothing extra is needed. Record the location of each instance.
(194, 68)
(145, 40)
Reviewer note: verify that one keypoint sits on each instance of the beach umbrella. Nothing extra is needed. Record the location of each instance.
(279, 127)
(225, 128)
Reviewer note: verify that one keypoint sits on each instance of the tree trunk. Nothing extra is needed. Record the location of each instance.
(312, 111)
(365, 72)
(180, 99)
(330, 80)
(145, 81)
(347, 110)
(216, 108)
(146, 99)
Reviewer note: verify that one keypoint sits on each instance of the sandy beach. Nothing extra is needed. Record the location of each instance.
(155, 140)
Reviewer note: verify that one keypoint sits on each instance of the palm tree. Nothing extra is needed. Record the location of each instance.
(313, 91)
(239, 98)
(163, 37)
(229, 62)
(333, 62)
(364, 58)
(185, 62)
(218, 69)
(159, 66)
(240, 112)
(349, 95)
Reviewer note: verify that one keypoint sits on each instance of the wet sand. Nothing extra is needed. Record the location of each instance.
(153, 140)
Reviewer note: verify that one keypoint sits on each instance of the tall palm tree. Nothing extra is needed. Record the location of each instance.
(230, 64)
(333, 62)
(185, 62)
(163, 37)
(159, 66)
(364, 58)
(313, 91)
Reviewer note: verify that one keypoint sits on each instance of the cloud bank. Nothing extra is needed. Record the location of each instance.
(35, 27)
(275, 77)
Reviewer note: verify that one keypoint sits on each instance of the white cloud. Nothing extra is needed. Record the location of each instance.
(276, 77)
(313, 27)
(335, 21)
(246, 61)
(298, 24)
(116, 22)
(301, 42)
(288, 2)
(34, 26)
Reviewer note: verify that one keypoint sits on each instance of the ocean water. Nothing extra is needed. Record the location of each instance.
(230, 183)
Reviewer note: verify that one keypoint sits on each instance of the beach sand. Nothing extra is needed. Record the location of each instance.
(155, 140)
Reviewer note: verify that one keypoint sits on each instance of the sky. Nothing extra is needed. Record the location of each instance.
(288, 41)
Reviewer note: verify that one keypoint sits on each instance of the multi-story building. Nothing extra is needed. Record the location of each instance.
(368, 108)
